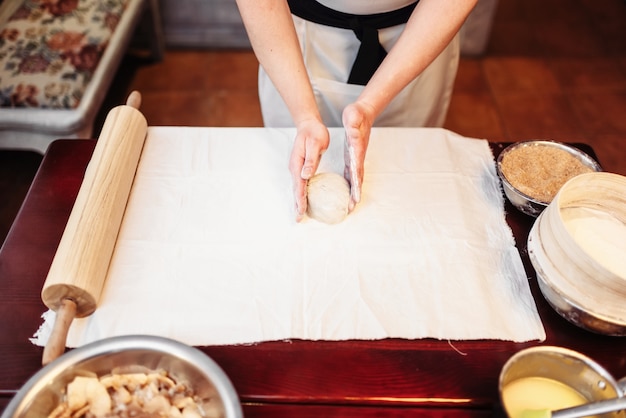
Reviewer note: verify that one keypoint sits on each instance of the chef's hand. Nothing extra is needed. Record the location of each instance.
(312, 139)
(357, 122)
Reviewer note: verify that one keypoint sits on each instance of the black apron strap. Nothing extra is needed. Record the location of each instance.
(371, 53)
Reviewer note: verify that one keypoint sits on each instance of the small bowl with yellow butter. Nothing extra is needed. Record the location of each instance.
(552, 378)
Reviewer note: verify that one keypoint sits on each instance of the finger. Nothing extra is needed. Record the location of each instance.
(312, 157)
(300, 196)
(355, 179)
(296, 162)
(352, 172)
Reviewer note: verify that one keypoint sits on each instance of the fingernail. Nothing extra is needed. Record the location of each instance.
(306, 172)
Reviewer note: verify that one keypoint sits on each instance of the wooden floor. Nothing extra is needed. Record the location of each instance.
(553, 69)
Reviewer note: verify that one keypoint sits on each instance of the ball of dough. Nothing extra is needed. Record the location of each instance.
(328, 197)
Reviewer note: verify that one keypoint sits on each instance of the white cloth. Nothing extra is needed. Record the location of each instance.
(328, 56)
(209, 252)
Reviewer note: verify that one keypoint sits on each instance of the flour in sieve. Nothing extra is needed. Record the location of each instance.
(601, 235)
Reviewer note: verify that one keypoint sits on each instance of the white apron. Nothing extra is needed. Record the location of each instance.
(329, 53)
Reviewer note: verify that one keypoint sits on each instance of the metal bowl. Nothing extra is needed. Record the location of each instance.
(565, 366)
(575, 313)
(44, 390)
(523, 202)
(581, 286)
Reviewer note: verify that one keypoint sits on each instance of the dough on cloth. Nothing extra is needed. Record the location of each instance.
(328, 196)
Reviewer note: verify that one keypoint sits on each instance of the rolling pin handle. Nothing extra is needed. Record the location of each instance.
(134, 99)
(56, 343)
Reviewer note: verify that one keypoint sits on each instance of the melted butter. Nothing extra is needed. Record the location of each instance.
(538, 393)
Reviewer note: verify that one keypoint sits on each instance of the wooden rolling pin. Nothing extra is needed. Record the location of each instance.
(78, 271)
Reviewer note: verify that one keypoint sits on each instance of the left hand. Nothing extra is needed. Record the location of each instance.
(357, 122)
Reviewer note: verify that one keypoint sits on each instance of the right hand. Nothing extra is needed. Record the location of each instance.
(312, 139)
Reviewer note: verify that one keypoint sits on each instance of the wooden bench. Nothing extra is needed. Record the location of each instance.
(57, 61)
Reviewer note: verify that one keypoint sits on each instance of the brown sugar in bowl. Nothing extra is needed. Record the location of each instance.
(532, 172)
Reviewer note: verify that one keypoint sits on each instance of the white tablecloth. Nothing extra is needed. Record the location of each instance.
(209, 252)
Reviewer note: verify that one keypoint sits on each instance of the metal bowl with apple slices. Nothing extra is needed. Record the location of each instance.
(128, 367)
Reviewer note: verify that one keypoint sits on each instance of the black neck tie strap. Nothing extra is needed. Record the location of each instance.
(371, 53)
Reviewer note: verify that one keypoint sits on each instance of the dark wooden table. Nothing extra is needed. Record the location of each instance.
(390, 378)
